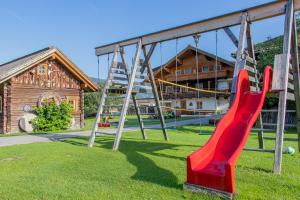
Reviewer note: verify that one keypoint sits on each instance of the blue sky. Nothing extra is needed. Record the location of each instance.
(78, 26)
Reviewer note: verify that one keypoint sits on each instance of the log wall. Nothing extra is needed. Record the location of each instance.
(47, 80)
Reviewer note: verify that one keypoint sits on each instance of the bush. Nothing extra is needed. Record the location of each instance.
(52, 117)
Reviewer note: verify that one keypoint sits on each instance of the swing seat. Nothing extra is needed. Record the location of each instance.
(211, 168)
(106, 125)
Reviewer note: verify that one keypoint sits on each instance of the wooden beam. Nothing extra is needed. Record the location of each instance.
(154, 90)
(240, 62)
(231, 36)
(264, 11)
(296, 77)
(283, 94)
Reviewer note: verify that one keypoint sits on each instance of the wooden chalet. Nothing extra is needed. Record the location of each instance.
(28, 81)
(187, 75)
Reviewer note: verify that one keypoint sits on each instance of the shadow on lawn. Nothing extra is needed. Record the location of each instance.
(137, 153)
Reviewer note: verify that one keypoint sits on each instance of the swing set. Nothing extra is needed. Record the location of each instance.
(209, 169)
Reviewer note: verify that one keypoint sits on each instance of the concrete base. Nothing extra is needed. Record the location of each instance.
(210, 191)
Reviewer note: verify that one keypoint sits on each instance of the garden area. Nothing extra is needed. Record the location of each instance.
(152, 169)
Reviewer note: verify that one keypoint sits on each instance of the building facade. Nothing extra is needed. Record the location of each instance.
(214, 73)
(28, 81)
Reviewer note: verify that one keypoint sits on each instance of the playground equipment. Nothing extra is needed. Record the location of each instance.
(211, 168)
(131, 82)
(286, 67)
(104, 122)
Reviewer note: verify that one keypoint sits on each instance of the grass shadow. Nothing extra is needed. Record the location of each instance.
(137, 153)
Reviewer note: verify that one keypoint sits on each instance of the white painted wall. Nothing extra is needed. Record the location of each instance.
(223, 84)
(208, 104)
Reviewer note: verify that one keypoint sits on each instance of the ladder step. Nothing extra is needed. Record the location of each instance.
(252, 79)
(290, 96)
(253, 88)
(291, 77)
(119, 76)
(139, 76)
(291, 86)
(122, 81)
(119, 65)
(251, 69)
(251, 60)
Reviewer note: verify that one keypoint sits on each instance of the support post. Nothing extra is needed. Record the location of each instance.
(283, 93)
(138, 113)
(251, 52)
(103, 97)
(296, 75)
(231, 36)
(240, 57)
(128, 95)
(154, 88)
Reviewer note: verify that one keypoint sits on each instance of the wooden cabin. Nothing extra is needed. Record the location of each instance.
(28, 81)
(186, 74)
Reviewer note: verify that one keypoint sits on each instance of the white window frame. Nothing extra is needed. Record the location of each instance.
(188, 71)
(205, 67)
(178, 72)
(199, 103)
(200, 86)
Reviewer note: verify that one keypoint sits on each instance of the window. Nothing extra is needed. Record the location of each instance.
(188, 71)
(199, 85)
(185, 89)
(169, 89)
(178, 72)
(42, 69)
(73, 101)
(199, 105)
(205, 68)
(177, 89)
(1, 106)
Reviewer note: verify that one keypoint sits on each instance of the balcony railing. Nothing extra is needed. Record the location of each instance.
(201, 75)
(190, 94)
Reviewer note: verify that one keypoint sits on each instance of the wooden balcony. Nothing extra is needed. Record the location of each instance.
(202, 75)
(190, 94)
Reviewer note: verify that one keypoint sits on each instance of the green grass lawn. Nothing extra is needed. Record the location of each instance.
(152, 169)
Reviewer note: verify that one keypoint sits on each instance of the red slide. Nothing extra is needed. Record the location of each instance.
(212, 166)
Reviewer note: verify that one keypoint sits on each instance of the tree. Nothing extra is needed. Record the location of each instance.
(265, 52)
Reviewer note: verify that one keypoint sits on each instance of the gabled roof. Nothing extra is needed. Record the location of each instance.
(19, 65)
(192, 48)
